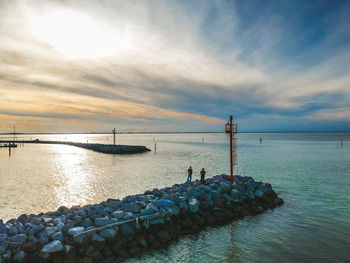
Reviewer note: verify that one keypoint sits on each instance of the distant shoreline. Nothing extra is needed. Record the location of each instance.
(198, 132)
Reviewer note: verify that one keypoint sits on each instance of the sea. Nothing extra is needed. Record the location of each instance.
(310, 171)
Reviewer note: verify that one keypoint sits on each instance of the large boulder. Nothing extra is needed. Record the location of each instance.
(54, 246)
(130, 207)
(76, 230)
(102, 221)
(20, 257)
(127, 230)
(118, 214)
(193, 205)
(18, 238)
(108, 233)
(259, 193)
(57, 236)
(97, 240)
(51, 230)
(163, 203)
(225, 187)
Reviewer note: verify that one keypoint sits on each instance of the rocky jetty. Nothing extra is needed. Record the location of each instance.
(97, 147)
(111, 149)
(116, 230)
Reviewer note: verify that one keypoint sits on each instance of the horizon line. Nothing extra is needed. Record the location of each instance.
(166, 132)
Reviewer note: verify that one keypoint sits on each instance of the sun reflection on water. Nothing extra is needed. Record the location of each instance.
(73, 183)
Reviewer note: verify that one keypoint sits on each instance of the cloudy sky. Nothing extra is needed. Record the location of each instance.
(174, 65)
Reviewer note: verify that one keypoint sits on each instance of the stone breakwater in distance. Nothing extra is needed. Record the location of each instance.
(116, 230)
(97, 147)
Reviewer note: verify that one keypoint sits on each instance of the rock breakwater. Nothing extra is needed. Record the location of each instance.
(116, 230)
(97, 147)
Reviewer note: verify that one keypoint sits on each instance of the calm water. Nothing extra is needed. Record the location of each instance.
(311, 171)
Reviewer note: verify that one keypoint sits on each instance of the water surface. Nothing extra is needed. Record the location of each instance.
(310, 171)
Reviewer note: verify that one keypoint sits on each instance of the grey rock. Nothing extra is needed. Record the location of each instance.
(115, 204)
(127, 230)
(259, 193)
(51, 230)
(80, 239)
(97, 238)
(118, 214)
(102, 221)
(108, 233)
(128, 215)
(163, 203)
(20, 257)
(11, 222)
(183, 206)
(86, 223)
(157, 221)
(15, 244)
(153, 207)
(47, 220)
(76, 230)
(142, 198)
(229, 198)
(63, 218)
(100, 210)
(56, 221)
(20, 228)
(225, 187)
(13, 230)
(30, 247)
(18, 238)
(3, 249)
(130, 207)
(57, 236)
(7, 255)
(60, 226)
(32, 238)
(193, 205)
(43, 238)
(54, 246)
(173, 210)
(147, 212)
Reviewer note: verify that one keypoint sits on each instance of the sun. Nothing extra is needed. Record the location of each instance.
(76, 35)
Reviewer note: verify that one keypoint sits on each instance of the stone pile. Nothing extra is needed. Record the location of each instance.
(111, 149)
(116, 230)
(97, 147)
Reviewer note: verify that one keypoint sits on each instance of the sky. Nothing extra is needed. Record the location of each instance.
(78, 66)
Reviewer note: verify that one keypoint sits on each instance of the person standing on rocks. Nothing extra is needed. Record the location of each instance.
(189, 177)
(202, 173)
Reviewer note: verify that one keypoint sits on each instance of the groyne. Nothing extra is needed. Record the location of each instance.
(97, 147)
(116, 230)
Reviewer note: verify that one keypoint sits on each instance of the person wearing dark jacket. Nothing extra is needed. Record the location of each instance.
(189, 177)
(202, 173)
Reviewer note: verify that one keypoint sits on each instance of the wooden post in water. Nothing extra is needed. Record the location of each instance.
(114, 132)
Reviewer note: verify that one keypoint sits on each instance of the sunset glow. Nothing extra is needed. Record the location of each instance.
(75, 35)
(174, 66)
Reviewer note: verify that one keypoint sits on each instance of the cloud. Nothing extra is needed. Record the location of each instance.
(180, 61)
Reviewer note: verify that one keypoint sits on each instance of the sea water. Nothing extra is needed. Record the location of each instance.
(310, 171)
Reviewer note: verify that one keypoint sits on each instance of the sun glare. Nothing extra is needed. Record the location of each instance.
(76, 35)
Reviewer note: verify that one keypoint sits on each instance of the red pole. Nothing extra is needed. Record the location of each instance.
(231, 153)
